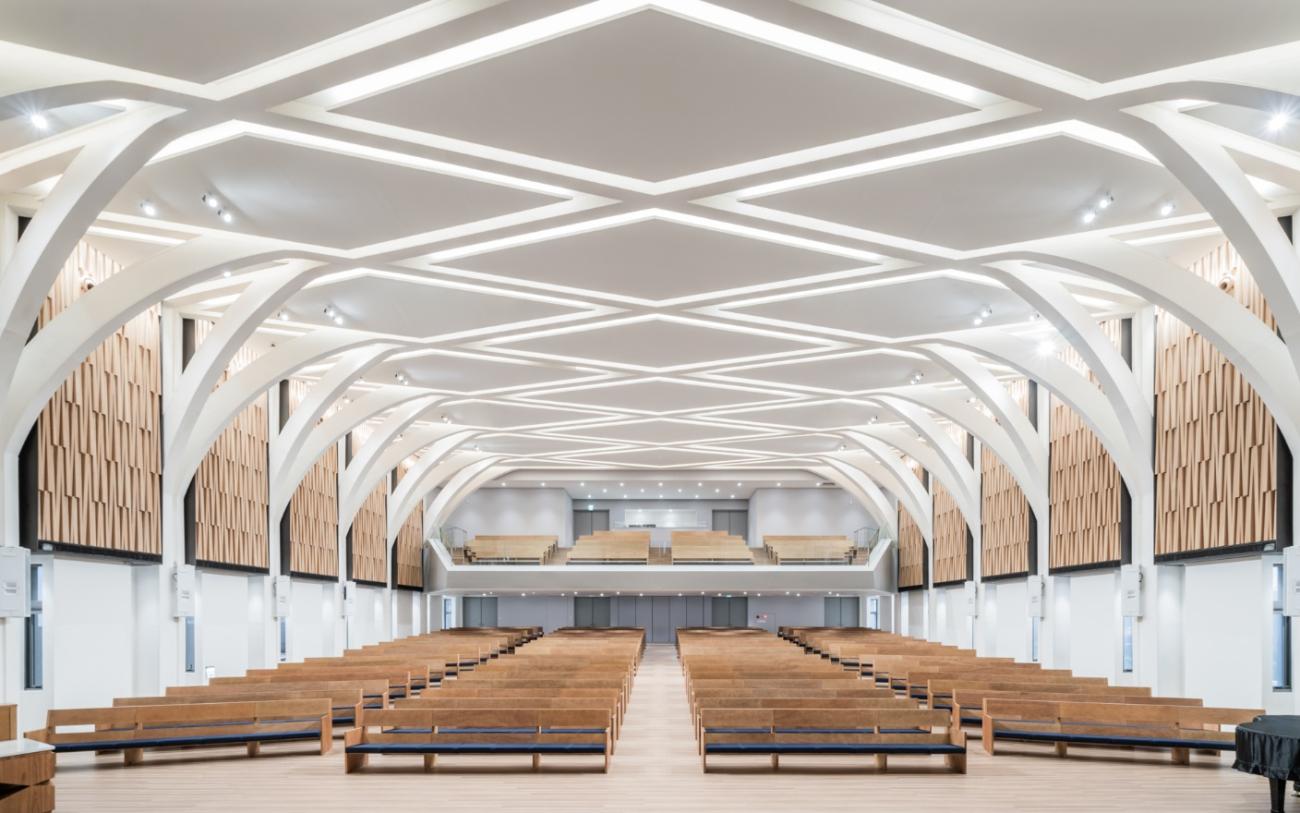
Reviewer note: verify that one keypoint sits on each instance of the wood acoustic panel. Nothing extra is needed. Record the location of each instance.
(1004, 508)
(1085, 484)
(408, 550)
(314, 509)
(99, 439)
(1216, 443)
(370, 537)
(911, 552)
(232, 486)
(949, 537)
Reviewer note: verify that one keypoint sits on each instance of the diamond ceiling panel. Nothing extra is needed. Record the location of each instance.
(276, 189)
(408, 307)
(662, 458)
(454, 372)
(660, 431)
(652, 96)
(655, 259)
(899, 310)
(531, 445)
(658, 396)
(837, 414)
(1020, 192)
(503, 415)
(656, 344)
(846, 373)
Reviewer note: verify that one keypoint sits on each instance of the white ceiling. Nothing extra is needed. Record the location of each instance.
(643, 236)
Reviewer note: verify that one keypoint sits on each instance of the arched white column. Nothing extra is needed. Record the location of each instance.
(185, 398)
(1251, 346)
(865, 490)
(220, 407)
(878, 461)
(947, 461)
(461, 484)
(384, 451)
(85, 188)
(55, 352)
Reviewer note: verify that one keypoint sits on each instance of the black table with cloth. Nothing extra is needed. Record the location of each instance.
(1269, 746)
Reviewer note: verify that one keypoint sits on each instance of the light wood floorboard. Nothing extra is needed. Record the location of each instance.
(655, 768)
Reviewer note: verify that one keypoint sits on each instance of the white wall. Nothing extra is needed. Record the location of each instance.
(1006, 619)
(806, 511)
(369, 622)
(222, 624)
(1227, 648)
(90, 622)
(310, 632)
(506, 511)
(1095, 624)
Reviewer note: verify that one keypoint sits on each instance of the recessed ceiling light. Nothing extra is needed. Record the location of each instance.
(699, 485)
(1105, 201)
(149, 209)
(620, 485)
(446, 419)
(986, 312)
(1278, 121)
(1166, 209)
(778, 485)
(977, 321)
(284, 316)
(329, 313)
(543, 485)
(211, 200)
(581, 484)
(226, 217)
(226, 274)
(39, 121)
(732, 497)
(1089, 216)
(1035, 316)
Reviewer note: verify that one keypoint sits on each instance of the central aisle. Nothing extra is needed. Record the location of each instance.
(655, 768)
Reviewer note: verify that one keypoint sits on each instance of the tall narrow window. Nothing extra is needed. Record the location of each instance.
(1281, 635)
(448, 612)
(1033, 638)
(34, 651)
(873, 612)
(190, 645)
(284, 639)
(1127, 659)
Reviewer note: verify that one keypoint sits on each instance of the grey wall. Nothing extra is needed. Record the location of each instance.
(552, 612)
(811, 511)
(660, 537)
(525, 511)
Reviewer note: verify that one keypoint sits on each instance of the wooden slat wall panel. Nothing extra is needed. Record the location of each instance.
(911, 552)
(1004, 512)
(1085, 484)
(370, 537)
(314, 509)
(99, 471)
(231, 486)
(949, 537)
(1216, 443)
(407, 550)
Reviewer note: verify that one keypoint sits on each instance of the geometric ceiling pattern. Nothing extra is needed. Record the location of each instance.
(666, 235)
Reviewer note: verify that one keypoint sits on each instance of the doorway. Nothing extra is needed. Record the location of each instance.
(842, 611)
(732, 521)
(730, 611)
(585, 523)
(480, 611)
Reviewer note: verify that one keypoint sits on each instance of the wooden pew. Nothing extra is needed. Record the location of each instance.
(709, 548)
(511, 550)
(431, 733)
(1062, 723)
(877, 732)
(791, 550)
(131, 729)
(628, 548)
(344, 702)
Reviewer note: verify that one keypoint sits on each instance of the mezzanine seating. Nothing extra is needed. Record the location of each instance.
(611, 548)
(809, 550)
(510, 550)
(709, 548)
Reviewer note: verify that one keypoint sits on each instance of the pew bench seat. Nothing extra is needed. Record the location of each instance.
(131, 729)
(449, 732)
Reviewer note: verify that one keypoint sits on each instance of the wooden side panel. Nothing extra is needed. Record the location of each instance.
(370, 537)
(911, 552)
(1085, 484)
(1004, 513)
(1216, 443)
(407, 550)
(314, 510)
(231, 486)
(949, 537)
(99, 438)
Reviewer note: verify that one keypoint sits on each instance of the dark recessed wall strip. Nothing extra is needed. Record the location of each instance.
(1234, 551)
(206, 565)
(314, 577)
(190, 507)
(950, 583)
(99, 553)
(1005, 577)
(367, 582)
(286, 543)
(1111, 565)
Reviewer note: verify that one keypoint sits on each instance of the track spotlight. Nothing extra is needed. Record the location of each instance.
(1105, 201)
(1278, 121)
(39, 121)
(1089, 216)
(226, 274)
(986, 312)
(211, 200)
(338, 320)
(226, 217)
(977, 321)
(1166, 209)
(148, 208)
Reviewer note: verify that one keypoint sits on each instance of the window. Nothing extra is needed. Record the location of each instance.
(873, 612)
(284, 639)
(190, 645)
(1033, 638)
(34, 651)
(1127, 659)
(448, 612)
(1281, 635)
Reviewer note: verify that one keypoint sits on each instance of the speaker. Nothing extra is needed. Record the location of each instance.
(282, 590)
(971, 594)
(349, 606)
(15, 581)
(1130, 591)
(1036, 586)
(184, 582)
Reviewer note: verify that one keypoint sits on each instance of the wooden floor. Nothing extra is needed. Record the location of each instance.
(655, 769)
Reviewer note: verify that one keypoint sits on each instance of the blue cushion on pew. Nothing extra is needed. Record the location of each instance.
(487, 730)
(824, 730)
(832, 748)
(476, 748)
(1107, 739)
(162, 742)
(736, 730)
(573, 731)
